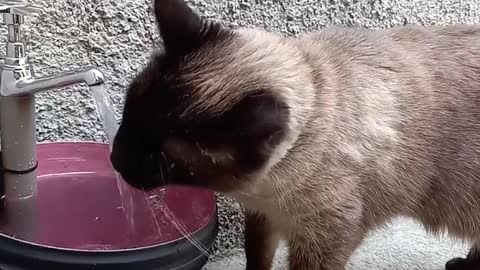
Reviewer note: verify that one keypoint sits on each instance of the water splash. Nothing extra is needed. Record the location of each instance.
(155, 202)
(155, 199)
(106, 114)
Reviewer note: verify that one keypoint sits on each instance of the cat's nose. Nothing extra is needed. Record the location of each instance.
(115, 161)
(117, 154)
(118, 158)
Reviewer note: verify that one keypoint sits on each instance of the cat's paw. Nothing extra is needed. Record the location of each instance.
(462, 264)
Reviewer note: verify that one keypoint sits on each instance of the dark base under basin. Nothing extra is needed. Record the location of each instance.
(82, 223)
(180, 255)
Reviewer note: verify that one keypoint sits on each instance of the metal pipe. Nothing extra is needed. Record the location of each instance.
(18, 137)
(17, 125)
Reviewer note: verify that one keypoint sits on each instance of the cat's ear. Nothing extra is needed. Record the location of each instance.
(257, 124)
(260, 116)
(241, 140)
(180, 28)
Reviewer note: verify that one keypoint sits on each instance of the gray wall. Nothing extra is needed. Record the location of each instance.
(117, 36)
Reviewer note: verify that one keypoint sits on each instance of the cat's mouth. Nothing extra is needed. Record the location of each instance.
(146, 175)
(143, 181)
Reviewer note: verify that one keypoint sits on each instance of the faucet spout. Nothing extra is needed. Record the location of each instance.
(30, 86)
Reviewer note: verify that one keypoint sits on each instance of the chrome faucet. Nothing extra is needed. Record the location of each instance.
(19, 82)
(17, 75)
(18, 86)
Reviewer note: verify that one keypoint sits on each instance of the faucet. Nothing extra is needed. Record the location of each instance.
(17, 75)
(18, 86)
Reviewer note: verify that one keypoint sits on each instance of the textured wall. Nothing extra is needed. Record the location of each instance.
(117, 36)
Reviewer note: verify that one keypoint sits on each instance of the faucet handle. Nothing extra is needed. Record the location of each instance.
(19, 7)
(29, 10)
(6, 4)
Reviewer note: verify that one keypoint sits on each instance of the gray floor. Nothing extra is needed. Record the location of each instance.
(403, 245)
(117, 36)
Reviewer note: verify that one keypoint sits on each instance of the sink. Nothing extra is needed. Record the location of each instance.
(82, 221)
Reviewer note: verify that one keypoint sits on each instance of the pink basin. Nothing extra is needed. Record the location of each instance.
(80, 208)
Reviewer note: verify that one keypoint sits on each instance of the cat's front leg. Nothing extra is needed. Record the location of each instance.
(471, 262)
(316, 248)
(261, 241)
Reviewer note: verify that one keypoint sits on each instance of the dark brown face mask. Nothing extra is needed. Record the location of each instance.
(172, 133)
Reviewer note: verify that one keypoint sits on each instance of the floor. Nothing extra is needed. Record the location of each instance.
(403, 245)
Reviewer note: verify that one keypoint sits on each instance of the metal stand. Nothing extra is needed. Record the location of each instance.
(18, 87)
(18, 136)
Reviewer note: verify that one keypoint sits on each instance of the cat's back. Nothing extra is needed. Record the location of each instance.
(432, 69)
(433, 46)
(401, 105)
(413, 71)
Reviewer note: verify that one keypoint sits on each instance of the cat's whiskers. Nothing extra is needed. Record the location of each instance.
(182, 229)
(147, 198)
(168, 168)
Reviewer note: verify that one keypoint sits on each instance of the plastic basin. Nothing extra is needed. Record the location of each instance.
(81, 220)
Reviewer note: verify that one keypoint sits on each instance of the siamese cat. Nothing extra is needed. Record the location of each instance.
(322, 138)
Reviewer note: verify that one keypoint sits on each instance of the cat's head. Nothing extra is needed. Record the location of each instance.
(215, 107)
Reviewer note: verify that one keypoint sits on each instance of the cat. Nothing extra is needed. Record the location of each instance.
(321, 137)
